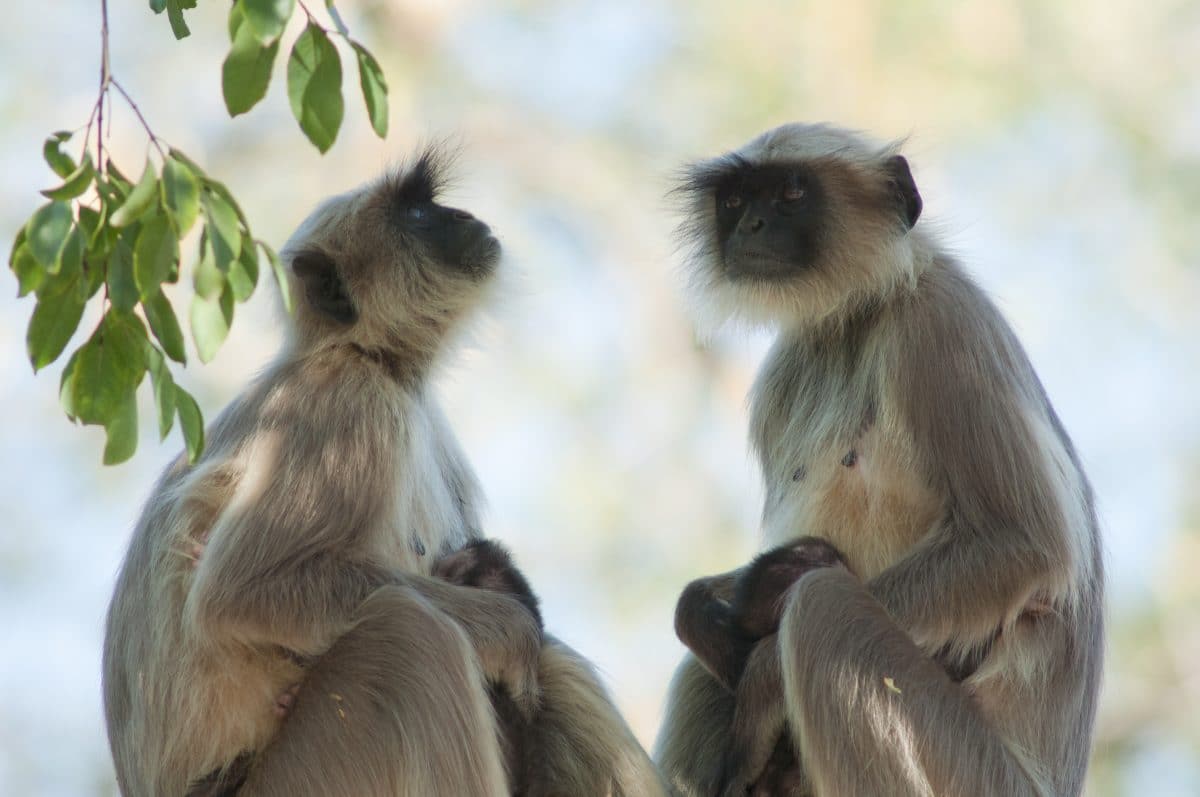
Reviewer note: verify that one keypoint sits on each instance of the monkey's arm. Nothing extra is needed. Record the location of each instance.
(873, 714)
(287, 560)
(981, 429)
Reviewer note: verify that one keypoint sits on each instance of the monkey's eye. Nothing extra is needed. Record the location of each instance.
(415, 212)
(732, 201)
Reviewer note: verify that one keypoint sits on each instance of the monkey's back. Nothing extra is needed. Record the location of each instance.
(177, 701)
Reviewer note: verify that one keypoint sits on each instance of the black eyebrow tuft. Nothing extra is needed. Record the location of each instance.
(705, 177)
(427, 176)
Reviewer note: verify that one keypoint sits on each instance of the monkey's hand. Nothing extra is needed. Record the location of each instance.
(504, 628)
(704, 622)
(486, 564)
(759, 729)
(759, 596)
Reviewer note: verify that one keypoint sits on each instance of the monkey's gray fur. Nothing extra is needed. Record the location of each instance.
(275, 627)
(897, 417)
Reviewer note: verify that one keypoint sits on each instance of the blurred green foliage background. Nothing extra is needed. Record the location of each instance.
(1057, 146)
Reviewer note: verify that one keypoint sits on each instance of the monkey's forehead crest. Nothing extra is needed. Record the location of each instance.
(425, 176)
(791, 142)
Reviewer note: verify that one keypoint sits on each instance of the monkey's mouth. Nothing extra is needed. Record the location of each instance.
(482, 256)
(760, 266)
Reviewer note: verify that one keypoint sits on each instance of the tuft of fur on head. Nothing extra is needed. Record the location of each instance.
(401, 301)
(866, 254)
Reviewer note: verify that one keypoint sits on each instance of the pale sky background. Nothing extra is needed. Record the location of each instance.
(1057, 147)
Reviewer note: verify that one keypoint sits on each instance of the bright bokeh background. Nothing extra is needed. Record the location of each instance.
(1057, 145)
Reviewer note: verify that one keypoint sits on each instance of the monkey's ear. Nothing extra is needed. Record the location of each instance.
(323, 286)
(905, 189)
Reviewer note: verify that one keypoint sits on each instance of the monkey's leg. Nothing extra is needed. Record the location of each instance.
(397, 706)
(690, 748)
(579, 744)
(873, 714)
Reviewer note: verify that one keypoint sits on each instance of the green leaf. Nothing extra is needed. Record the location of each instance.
(186, 161)
(70, 260)
(207, 280)
(192, 423)
(224, 236)
(234, 23)
(175, 16)
(210, 323)
(66, 386)
(164, 390)
(154, 255)
(29, 271)
(220, 190)
(267, 18)
(157, 6)
(90, 222)
(374, 89)
(243, 272)
(315, 86)
(110, 366)
(281, 277)
(74, 183)
(165, 326)
(18, 242)
(54, 321)
(122, 288)
(127, 336)
(46, 233)
(140, 199)
(246, 72)
(118, 178)
(181, 194)
(121, 432)
(62, 163)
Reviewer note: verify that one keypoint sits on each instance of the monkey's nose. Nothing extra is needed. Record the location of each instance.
(752, 224)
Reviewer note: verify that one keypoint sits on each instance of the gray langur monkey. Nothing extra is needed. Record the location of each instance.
(941, 630)
(276, 627)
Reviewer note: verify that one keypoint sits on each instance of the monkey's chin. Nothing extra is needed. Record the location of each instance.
(479, 259)
(485, 256)
(761, 269)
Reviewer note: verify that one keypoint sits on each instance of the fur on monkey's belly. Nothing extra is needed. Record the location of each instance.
(864, 496)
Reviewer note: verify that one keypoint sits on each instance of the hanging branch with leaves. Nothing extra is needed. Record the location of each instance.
(114, 242)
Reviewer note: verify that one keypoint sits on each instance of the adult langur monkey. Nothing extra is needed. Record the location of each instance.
(276, 627)
(938, 585)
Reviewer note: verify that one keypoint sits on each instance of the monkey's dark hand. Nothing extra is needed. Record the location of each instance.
(486, 564)
(704, 622)
(758, 601)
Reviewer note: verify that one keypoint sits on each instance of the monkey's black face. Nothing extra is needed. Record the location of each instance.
(769, 220)
(451, 236)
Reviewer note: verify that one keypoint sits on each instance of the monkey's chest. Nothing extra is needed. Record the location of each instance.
(852, 480)
(427, 519)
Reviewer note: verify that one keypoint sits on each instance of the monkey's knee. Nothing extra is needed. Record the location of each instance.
(398, 699)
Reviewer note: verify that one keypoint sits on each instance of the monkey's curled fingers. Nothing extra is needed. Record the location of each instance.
(504, 628)
(704, 622)
(486, 564)
(759, 723)
(759, 596)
